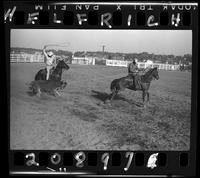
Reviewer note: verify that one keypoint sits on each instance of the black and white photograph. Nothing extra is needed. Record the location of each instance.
(73, 89)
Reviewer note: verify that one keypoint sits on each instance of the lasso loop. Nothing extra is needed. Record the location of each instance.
(56, 45)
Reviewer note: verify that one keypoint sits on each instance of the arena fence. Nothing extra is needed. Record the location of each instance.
(148, 64)
(25, 57)
(38, 57)
(83, 60)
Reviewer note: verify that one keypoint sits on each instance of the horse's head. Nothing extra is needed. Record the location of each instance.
(155, 73)
(61, 64)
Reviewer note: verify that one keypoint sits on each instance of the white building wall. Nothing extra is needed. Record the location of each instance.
(83, 60)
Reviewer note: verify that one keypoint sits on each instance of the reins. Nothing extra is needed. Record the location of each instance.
(147, 74)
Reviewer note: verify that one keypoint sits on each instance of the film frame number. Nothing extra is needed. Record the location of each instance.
(128, 155)
(105, 158)
(31, 159)
(80, 157)
(55, 158)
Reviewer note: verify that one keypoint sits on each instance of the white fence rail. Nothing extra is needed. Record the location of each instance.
(25, 57)
(38, 57)
(117, 63)
(83, 60)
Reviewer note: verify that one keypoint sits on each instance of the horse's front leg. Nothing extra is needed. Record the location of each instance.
(56, 93)
(110, 98)
(143, 97)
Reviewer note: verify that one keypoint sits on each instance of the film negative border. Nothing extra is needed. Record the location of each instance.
(101, 162)
(101, 16)
(131, 16)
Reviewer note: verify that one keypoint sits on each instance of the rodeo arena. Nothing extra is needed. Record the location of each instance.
(96, 107)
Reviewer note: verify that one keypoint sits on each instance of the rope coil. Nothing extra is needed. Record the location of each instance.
(56, 45)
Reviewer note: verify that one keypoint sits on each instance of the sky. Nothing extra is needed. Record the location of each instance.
(166, 42)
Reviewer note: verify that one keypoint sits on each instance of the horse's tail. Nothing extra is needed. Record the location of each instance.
(37, 76)
(27, 83)
(33, 88)
(30, 85)
(113, 86)
(40, 75)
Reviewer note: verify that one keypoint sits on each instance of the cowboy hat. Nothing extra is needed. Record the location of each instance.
(133, 60)
(50, 53)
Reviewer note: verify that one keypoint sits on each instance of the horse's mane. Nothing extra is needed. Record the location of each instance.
(59, 63)
(148, 73)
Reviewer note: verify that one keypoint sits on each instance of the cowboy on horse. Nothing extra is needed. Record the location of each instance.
(50, 61)
(133, 72)
(54, 67)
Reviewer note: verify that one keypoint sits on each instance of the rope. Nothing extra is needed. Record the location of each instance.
(56, 45)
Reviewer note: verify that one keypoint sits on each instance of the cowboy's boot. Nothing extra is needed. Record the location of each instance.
(133, 81)
(136, 83)
(51, 71)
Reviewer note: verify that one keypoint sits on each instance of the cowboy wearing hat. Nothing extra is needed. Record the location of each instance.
(50, 61)
(133, 72)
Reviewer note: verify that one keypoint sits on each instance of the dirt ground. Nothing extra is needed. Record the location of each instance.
(79, 120)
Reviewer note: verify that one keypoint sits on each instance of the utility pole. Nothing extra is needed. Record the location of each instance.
(103, 48)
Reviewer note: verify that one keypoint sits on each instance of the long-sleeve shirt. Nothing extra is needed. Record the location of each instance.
(49, 60)
(132, 68)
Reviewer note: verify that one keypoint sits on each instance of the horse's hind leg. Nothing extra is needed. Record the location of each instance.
(39, 92)
(148, 97)
(113, 94)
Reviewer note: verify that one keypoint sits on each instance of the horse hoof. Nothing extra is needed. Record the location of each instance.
(39, 96)
(109, 104)
(107, 101)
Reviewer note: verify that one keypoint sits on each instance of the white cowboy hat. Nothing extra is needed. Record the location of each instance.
(50, 53)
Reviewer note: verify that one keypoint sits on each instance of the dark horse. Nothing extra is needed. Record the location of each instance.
(127, 82)
(55, 75)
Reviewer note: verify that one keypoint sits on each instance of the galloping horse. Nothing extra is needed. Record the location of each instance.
(127, 82)
(56, 74)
